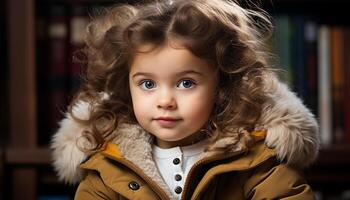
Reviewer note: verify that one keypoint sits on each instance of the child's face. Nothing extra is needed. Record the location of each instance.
(172, 94)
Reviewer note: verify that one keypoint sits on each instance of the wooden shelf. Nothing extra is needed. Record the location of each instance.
(38, 156)
(337, 154)
(42, 156)
(330, 173)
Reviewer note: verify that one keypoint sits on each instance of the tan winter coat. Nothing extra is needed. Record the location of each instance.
(268, 170)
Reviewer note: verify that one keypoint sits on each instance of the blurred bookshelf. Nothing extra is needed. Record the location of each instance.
(311, 46)
(39, 78)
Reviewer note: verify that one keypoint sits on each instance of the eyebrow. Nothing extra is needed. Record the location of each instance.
(178, 74)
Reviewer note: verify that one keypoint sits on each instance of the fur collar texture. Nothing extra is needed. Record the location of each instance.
(291, 130)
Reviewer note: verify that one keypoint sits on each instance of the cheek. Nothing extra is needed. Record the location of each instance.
(136, 103)
(198, 108)
(140, 106)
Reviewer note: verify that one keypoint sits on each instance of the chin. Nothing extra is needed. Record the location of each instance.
(170, 139)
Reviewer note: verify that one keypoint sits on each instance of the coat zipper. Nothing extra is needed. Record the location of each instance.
(139, 172)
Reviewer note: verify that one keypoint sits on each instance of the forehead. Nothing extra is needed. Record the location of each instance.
(172, 57)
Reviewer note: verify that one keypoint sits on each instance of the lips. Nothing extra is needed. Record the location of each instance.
(167, 121)
(167, 118)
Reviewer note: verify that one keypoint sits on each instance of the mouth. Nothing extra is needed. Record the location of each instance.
(167, 121)
(167, 118)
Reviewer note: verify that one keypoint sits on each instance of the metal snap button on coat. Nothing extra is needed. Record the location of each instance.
(178, 177)
(176, 161)
(178, 190)
(134, 185)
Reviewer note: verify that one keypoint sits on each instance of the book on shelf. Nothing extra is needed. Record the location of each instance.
(281, 45)
(346, 109)
(297, 41)
(60, 35)
(60, 29)
(52, 72)
(77, 26)
(324, 85)
(337, 79)
(310, 35)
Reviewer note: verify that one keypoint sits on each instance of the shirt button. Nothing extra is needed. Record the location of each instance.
(134, 186)
(178, 190)
(178, 177)
(176, 161)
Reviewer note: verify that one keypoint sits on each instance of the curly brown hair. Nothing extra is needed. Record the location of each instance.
(222, 32)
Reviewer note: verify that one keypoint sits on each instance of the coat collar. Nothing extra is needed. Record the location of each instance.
(291, 130)
(256, 155)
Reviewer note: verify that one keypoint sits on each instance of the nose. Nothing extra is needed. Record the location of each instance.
(166, 100)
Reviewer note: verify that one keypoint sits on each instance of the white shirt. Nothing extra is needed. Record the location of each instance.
(175, 163)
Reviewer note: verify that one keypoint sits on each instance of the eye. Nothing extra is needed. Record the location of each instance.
(186, 84)
(147, 84)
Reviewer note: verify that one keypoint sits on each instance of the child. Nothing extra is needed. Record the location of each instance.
(179, 103)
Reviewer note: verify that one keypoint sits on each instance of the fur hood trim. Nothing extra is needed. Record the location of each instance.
(291, 130)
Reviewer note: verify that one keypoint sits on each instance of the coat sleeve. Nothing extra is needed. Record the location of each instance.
(271, 181)
(92, 187)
